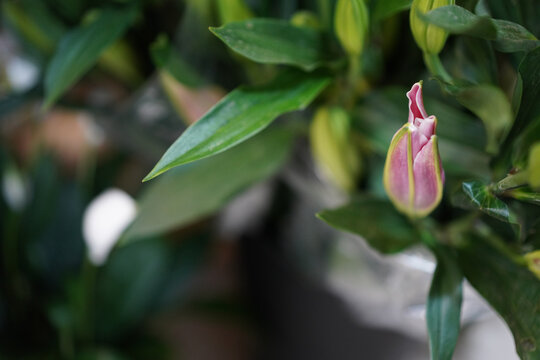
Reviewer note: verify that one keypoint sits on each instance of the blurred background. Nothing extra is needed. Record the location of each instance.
(222, 259)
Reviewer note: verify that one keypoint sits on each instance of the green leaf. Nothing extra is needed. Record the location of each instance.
(523, 143)
(128, 284)
(490, 104)
(376, 221)
(199, 189)
(485, 201)
(512, 37)
(272, 41)
(529, 109)
(384, 9)
(524, 194)
(511, 289)
(458, 20)
(508, 36)
(444, 306)
(80, 48)
(529, 69)
(241, 114)
(35, 22)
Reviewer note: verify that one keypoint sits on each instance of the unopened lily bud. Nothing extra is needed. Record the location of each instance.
(306, 18)
(413, 174)
(233, 10)
(533, 262)
(351, 25)
(534, 166)
(428, 37)
(332, 149)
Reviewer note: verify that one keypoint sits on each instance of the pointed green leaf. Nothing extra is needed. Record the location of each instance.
(491, 105)
(529, 112)
(240, 115)
(34, 21)
(510, 288)
(512, 37)
(196, 190)
(488, 203)
(80, 48)
(458, 20)
(508, 36)
(272, 41)
(376, 221)
(444, 306)
(524, 194)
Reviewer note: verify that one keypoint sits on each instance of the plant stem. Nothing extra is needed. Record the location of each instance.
(436, 68)
(512, 181)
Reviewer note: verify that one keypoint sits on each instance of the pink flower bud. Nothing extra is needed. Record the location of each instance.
(413, 174)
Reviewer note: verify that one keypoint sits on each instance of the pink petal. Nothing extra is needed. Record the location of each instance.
(428, 181)
(416, 104)
(396, 171)
(427, 126)
(418, 141)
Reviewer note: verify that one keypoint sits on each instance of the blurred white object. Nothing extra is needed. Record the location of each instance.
(21, 74)
(14, 190)
(486, 339)
(105, 219)
(391, 291)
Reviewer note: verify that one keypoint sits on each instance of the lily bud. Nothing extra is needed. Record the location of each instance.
(428, 37)
(233, 10)
(413, 174)
(351, 25)
(332, 149)
(533, 262)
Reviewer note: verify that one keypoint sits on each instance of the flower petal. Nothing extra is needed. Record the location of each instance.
(428, 181)
(416, 103)
(398, 170)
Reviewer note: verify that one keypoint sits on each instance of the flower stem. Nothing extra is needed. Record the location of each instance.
(512, 181)
(436, 68)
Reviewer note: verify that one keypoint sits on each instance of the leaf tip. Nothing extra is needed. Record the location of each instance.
(152, 174)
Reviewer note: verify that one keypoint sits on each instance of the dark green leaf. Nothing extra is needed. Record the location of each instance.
(490, 104)
(512, 37)
(376, 221)
(272, 41)
(473, 60)
(444, 306)
(524, 194)
(384, 9)
(508, 36)
(196, 190)
(80, 48)
(511, 289)
(35, 22)
(529, 109)
(524, 142)
(529, 69)
(127, 285)
(485, 201)
(240, 115)
(167, 58)
(458, 20)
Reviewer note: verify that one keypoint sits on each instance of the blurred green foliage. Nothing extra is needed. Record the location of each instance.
(101, 60)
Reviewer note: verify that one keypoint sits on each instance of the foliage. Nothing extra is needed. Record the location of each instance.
(280, 62)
